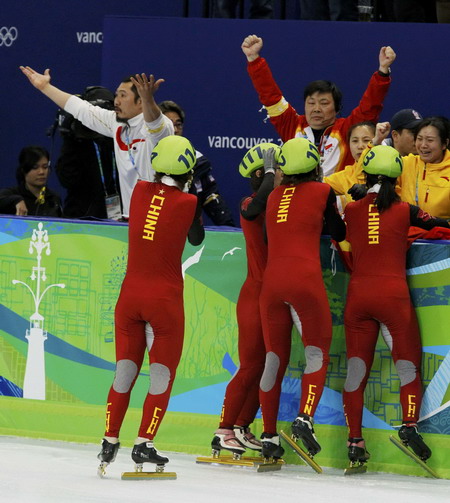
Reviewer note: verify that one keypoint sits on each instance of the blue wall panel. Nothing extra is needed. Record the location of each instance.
(204, 68)
(205, 72)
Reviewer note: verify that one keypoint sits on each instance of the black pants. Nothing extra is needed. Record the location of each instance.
(407, 11)
(329, 10)
(259, 9)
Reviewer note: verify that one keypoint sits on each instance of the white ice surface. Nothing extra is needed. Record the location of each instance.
(51, 471)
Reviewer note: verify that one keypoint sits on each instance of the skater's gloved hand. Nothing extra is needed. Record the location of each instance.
(269, 160)
(357, 191)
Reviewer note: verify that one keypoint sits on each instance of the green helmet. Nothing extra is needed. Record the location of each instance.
(298, 155)
(254, 160)
(173, 155)
(383, 160)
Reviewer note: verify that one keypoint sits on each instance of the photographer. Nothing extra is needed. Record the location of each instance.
(86, 166)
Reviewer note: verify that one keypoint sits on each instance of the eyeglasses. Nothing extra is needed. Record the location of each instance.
(44, 165)
(178, 124)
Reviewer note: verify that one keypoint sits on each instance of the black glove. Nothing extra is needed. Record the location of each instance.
(357, 191)
(269, 160)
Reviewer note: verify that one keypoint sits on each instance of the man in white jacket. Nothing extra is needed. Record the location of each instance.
(136, 124)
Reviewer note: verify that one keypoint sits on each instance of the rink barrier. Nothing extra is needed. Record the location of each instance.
(54, 384)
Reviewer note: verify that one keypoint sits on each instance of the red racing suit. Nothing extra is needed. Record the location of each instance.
(241, 401)
(334, 150)
(378, 294)
(149, 314)
(293, 289)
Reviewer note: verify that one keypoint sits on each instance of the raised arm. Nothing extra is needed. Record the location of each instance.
(146, 88)
(371, 103)
(41, 81)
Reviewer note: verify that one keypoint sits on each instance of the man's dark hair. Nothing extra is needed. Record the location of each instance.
(133, 87)
(171, 106)
(28, 158)
(324, 86)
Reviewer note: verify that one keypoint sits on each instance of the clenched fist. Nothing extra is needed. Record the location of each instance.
(251, 46)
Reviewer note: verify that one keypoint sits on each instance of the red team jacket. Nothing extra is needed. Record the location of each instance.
(334, 148)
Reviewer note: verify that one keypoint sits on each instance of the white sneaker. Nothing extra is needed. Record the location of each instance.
(226, 439)
(246, 438)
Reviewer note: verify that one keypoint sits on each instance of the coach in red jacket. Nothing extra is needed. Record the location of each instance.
(323, 98)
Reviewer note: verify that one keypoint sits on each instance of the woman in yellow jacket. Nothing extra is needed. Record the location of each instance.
(425, 180)
(359, 135)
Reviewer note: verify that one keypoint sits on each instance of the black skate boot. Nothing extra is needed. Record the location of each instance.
(410, 436)
(358, 456)
(225, 438)
(302, 428)
(146, 453)
(271, 447)
(109, 451)
(107, 455)
(357, 453)
(246, 438)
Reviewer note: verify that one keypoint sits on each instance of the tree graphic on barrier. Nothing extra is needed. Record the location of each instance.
(34, 380)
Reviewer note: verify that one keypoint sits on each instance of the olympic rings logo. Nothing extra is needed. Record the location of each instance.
(8, 35)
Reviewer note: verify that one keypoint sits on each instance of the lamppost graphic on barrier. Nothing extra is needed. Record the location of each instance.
(34, 381)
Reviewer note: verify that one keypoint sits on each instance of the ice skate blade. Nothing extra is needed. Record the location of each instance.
(413, 456)
(226, 460)
(148, 476)
(251, 462)
(270, 466)
(101, 470)
(300, 452)
(355, 469)
(257, 459)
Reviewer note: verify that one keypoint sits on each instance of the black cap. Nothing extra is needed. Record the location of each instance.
(405, 119)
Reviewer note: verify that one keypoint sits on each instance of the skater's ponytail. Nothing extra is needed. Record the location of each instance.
(386, 195)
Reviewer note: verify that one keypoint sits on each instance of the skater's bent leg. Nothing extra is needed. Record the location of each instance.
(277, 327)
(241, 397)
(130, 350)
(361, 337)
(165, 347)
(316, 339)
(407, 355)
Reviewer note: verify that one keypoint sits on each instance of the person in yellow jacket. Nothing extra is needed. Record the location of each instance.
(359, 135)
(425, 180)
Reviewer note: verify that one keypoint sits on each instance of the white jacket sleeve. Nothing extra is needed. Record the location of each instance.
(95, 118)
(158, 129)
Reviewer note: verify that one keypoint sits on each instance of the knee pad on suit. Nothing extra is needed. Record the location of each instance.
(269, 376)
(314, 359)
(126, 371)
(356, 370)
(406, 371)
(159, 379)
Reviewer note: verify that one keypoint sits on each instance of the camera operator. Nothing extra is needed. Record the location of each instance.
(86, 166)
